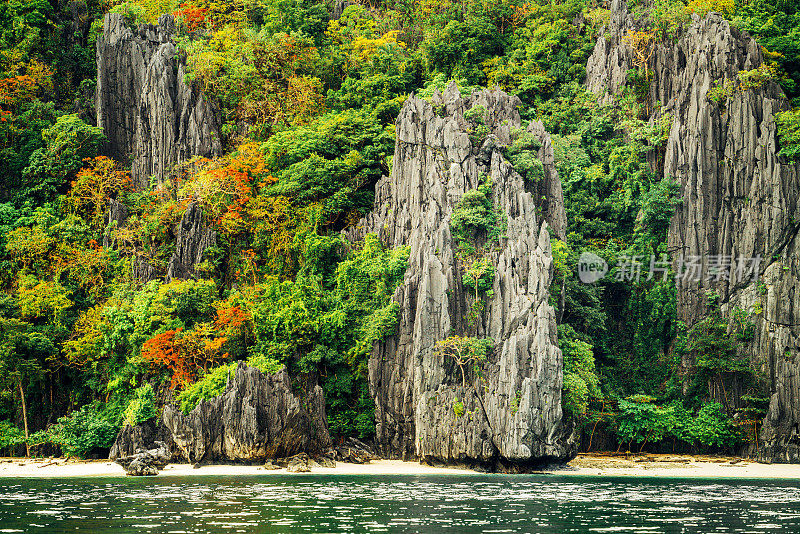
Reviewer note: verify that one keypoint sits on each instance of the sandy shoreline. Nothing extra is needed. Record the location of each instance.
(599, 465)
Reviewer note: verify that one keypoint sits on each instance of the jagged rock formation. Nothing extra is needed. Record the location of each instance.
(117, 216)
(145, 462)
(143, 436)
(150, 116)
(257, 417)
(513, 419)
(740, 198)
(354, 451)
(607, 67)
(193, 237)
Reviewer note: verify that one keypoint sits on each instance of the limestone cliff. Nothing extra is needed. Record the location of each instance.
(150, 116)
(508, 415)
(740, 198)
(192, 239)
(154, 120)
(257, 417)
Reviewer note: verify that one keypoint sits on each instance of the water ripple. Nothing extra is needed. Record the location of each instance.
(323, 504)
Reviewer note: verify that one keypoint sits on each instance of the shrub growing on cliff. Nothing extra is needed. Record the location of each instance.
(210, 385)
(67, 143)
(789, 133)
(468, 353)
(142, 407)
(524, 156)
(473, 218)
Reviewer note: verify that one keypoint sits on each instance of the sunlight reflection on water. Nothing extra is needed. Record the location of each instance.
(480, 503)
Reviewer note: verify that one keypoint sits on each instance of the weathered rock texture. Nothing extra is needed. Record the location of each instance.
(117, 217)
(193, 237)
(150, 116)
(258, 417)
(143, 436)
(740, 198)
(145, 462)
(513, 418)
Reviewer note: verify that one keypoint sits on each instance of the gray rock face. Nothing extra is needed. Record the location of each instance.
(150, 116)
(145, 462)
(193, 237)
(143, 436)
(740, 197)
(117, 216)
(607, 68)
(512, 417)
(258, 417)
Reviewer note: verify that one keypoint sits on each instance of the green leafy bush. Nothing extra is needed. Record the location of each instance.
(142, 407)
(641, 420)
(268, 366)
(458, 408)
(209, 386)
(580, 376)
(84, 431)
(10, 435)
(712, 428)
(475, 114)
(475, 217)
(523, 155)
(480, 276)
(789, 133)
(67, 143)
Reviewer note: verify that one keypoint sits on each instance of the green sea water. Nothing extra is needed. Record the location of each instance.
(438, 504)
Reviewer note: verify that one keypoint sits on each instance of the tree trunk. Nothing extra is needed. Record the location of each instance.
(24, 418)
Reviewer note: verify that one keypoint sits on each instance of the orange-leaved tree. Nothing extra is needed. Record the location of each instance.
(226, 185)
(185, 353)
(93, 187)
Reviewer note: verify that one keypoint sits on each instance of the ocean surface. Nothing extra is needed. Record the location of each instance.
(439, 504)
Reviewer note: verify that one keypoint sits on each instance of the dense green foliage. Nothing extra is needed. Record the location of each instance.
(308, 107)
(142, 407)
(789, 133)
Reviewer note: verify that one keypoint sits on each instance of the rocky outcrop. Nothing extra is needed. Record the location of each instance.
(193, 237)
(117, 216)
(143, 436)
(740, 198)
(607, 68)
(150, 116)
(354, 451)
(547, 192)
(257, 417)
(510, 417)
(145, 462)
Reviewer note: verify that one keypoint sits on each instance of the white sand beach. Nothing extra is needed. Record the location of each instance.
(56, 468)
(601, 465)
